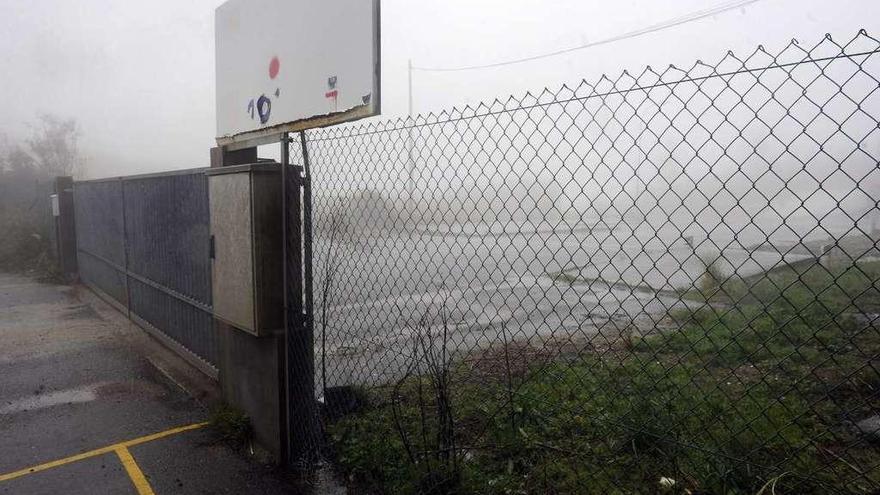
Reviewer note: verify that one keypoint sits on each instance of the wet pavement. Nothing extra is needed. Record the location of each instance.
(76, 377)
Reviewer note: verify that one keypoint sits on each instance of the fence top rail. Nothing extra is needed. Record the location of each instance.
(759, 61)
(152, 175)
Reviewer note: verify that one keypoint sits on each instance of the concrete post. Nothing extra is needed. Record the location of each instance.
(65, 227)
(251, 369)
(223, 158)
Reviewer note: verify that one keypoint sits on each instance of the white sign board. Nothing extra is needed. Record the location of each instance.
(288, 65)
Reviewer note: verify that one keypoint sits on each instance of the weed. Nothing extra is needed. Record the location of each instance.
(752, 396)
(232, 425)
(712, 277)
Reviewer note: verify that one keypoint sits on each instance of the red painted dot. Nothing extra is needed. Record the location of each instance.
(274, 65)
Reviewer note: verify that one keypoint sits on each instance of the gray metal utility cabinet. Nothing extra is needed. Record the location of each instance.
(246, 237)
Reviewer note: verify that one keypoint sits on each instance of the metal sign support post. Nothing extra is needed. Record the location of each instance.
(283, 426)
(307, 228)
(301, 408)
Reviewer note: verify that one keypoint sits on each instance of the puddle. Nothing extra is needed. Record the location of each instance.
(88, 393)
(133, 387)
(42, 401)
(81, 312)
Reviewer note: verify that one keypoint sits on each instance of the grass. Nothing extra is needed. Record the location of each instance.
(760, 389)
(232, 425)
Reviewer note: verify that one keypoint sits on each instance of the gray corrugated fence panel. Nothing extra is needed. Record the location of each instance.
(98, 208)
(168, 233)
(146, 238)
(98, 273)
(166, 220)
(186, 324)
(99, 236)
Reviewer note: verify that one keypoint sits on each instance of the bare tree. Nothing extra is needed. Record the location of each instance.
(26, 172)
(432, 446)
(53, 145)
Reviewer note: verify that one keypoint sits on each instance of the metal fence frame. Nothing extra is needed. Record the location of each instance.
(143, 244)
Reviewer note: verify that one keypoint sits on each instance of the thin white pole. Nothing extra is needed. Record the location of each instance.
(409, 139)
(409, 67)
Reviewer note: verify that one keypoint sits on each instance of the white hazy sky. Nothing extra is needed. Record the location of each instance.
(139, 76)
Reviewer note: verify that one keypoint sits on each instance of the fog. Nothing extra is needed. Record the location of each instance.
(138, 77)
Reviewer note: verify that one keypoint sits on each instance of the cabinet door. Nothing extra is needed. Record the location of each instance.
(233, 265)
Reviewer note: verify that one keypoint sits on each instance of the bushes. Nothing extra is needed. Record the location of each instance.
(27, 170)
(25, 239)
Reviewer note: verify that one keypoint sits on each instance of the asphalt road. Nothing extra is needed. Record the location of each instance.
(488, 285)
(75, 377)
(505, 284)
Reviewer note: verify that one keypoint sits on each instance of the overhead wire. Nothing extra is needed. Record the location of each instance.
(677, 21)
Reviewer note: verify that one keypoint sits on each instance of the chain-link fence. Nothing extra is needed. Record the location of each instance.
(664, 281)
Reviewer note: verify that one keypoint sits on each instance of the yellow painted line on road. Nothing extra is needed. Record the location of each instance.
(59, 462)
(134, 472)
(103, 450)
(161, 434)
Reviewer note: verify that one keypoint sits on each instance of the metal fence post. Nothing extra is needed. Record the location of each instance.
(302, 410)
(307, 232)
(65, 227)
(125, 273)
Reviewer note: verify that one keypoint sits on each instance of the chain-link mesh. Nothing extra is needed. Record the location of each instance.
(661, 281)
